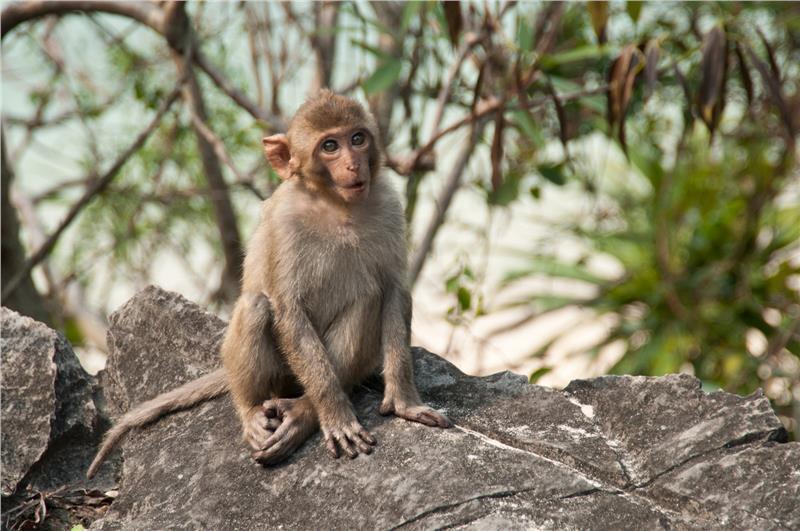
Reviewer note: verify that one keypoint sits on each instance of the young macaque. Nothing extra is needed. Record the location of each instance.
(324, 300)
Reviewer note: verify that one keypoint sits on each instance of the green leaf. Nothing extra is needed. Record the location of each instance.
(507, 191)
(452, 284)
(528, 127)
(384, 76)
(590, 52)
(374, 50)
(468, 273)
(538, 373)
(410, 10)
(542, 304)
(639, 361)
(524, 35)
(634, 8)
(72, 331)
(77, 527)
(598, 14)
(464, 298)
(552, 267)
(554, 174)
(632, 251)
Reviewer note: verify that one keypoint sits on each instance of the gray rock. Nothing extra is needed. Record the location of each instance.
(29, 396)
(608, 453)
(52, 421)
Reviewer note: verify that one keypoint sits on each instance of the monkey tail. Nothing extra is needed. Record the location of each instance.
(189, 394)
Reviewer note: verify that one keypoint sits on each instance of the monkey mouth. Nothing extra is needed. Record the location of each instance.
(356, 186)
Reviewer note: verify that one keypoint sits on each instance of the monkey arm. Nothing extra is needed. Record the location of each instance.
(401, 396)
(308, 359)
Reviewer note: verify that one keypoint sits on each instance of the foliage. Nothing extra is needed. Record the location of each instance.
(705, 228)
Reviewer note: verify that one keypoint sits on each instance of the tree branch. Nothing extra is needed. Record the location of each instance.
(452, 184)
(149, 15)
(177, 26)
(470, 40)
(17, 13)
(276, 124)
(96, 188)
(26, 299)
(323, 43)
(216, 142)
(420, 157)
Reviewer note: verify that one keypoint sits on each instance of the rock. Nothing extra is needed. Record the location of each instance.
(608, 453)
(29, 395)
(53, 419)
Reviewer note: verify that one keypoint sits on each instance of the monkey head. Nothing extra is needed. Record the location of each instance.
(332, 144)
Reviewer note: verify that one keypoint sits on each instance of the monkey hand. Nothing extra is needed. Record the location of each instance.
(291, 421)
(415, 411)
(348, 434)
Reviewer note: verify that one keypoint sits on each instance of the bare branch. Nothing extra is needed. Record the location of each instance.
(150, 16)
(220, 199)
(452, 184)
(219, 148)
(253, 28)
(323, 42)
(96, 188)
(420, 158)
(470, 40)
(275, 123)
(17, 13)
(382, 103)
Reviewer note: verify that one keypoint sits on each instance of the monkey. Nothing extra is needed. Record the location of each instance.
(324, 298)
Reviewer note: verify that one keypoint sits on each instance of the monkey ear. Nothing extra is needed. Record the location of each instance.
(276, 149)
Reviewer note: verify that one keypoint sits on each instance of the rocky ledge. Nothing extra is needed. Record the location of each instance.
(607, 453)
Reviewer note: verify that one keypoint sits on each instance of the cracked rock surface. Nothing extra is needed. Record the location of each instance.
(52, 420)
(607, 453)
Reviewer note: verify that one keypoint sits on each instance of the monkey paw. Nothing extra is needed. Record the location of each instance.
(349, 436)
(414, 412)
(291, 423)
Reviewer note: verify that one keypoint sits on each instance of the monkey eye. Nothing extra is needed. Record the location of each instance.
(358, 138)
(329, 146)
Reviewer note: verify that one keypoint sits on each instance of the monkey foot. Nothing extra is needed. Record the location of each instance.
(415, 413)
(258, 427)
(291, 421)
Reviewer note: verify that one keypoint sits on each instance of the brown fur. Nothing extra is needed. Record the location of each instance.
(324, 299)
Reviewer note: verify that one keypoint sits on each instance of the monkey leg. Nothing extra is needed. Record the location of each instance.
(255, 370)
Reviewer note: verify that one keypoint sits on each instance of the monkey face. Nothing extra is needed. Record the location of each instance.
(345, 154)
(331, 147)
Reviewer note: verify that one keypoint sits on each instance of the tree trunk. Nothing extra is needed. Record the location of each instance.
(178, 33)
(326, 15)
(24, 299)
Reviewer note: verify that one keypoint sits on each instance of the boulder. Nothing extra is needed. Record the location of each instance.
(616, 452)
(53, 419)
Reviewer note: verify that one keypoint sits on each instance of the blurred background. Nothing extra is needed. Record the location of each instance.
(590, 188)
